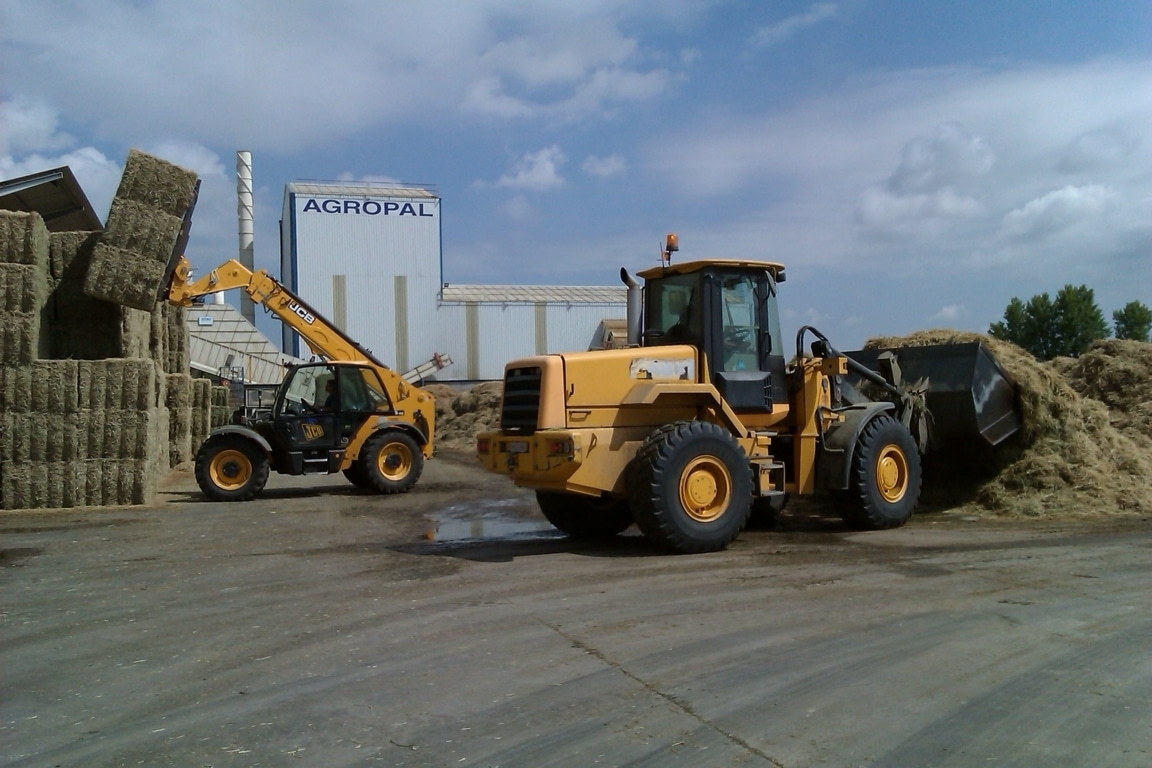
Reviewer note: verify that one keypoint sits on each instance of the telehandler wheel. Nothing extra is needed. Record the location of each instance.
(583, 517)
(355, 475)
(231, 468)
(690, 487)
(884, 484)
(391, 462)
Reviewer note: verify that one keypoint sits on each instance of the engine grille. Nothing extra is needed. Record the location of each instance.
(521, 400)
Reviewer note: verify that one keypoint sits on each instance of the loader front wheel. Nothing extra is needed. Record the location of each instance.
(884, 484)
(391, 462)
(691, 487)
(584, 517)
(231, 468)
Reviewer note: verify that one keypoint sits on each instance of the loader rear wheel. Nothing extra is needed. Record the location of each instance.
(391, 462)
(231, 468)
(691, 487)
(884, 484)
(583, 517)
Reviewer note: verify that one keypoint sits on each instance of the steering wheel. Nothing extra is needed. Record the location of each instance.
(738, 337)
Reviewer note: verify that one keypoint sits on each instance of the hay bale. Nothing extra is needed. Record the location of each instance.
(70, 253)
(180, 447)
(15, 386)
(124, 277)
(157, 183)
(54, 386)
(24, 288)
(21, 340)
(34, 437)
(23, 239)
(83, 328)
(144, 229)
(178, 393)
(1067, 458)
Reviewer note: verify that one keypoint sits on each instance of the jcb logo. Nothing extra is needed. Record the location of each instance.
(312, 431)
(304, 314)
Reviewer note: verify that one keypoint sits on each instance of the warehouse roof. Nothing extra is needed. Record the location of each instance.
(220, 337)
(56, 196)
(533, 294)
(359, 189)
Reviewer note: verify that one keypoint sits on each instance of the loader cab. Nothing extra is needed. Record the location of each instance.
(726, 309)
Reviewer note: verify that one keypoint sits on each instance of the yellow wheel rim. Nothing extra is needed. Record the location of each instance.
(230, 470)
(395, 461)
(705, 489)
(892, 474)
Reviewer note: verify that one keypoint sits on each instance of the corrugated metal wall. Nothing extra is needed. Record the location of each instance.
(378, 277)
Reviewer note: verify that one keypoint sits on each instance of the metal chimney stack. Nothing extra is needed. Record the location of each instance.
(244, 211)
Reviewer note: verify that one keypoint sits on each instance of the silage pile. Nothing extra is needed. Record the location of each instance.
(1084, 447)
(460, 415)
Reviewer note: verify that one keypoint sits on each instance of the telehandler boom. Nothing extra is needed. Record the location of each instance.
(702, 421)
(350, 413)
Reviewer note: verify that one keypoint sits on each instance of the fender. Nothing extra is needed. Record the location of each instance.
(381, 424)
(834, 462)
(236, 429)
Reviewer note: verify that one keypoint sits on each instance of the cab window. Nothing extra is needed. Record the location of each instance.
(738, 324)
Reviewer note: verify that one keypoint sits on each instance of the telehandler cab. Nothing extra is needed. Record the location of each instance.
(703, 421)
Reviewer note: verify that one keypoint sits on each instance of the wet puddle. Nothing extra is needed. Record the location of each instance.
(487, 520)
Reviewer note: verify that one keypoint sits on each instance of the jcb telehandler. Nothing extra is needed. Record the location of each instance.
(703, 421)
(349, 414)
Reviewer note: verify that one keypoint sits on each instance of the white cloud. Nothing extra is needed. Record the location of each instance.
(770, 35)
(949, 156)
(613, 165)
(1058, 211)
(518, 208)
(880, 212)
(282, 75)
(948, 315)
(30, 126)
(536, 171)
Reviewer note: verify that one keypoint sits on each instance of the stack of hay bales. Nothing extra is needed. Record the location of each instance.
(83, 380)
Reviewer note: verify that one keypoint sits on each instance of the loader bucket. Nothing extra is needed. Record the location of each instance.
(969, 394)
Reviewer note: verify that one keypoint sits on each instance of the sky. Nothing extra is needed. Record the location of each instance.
(914, 164)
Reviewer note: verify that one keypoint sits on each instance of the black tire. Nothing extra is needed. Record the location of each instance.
(691, 487)
(355, 475)
(231, 468)
(583, 517)
(884, 483)
(766, 510)
(391, 462)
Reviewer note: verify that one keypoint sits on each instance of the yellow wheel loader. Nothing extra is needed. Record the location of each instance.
(703, 421)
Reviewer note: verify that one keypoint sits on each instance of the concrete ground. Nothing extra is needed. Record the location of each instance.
(321, 626)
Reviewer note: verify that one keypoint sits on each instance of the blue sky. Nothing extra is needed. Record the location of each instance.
(915, 164)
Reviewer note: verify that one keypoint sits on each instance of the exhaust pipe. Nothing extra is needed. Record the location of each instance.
(635, 307)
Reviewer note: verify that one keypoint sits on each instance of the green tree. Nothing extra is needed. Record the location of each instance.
(1047, 328)
(1134, 321)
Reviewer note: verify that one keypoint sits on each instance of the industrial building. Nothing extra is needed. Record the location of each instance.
(368, 258)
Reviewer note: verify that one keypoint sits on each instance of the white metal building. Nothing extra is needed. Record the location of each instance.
(368, 258)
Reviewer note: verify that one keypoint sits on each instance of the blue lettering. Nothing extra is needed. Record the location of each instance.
(369, 207)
